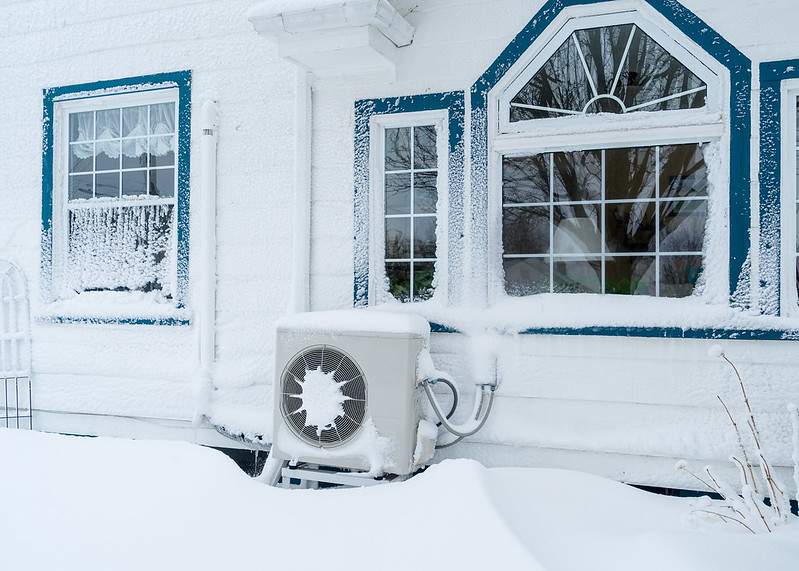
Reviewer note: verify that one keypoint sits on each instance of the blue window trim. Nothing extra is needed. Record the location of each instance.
(654, 332)
(772, 73)
(694, 28)
(179, 79)
(452, 102)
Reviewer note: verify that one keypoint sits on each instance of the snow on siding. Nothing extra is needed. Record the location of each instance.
(139, 370)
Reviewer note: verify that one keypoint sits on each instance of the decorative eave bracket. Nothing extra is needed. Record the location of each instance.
(342, 39)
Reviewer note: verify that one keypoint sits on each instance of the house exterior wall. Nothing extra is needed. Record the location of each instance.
(131, 379)
(619, 403)
(625, 405)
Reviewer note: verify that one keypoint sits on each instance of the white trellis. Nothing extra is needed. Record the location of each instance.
(15, 402)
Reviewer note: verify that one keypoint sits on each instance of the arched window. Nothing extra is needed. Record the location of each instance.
(602, 144)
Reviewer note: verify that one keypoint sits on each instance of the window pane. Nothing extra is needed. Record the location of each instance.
(399, 279)
(682, 225)
(162, 119)
(577, 229)
(425, 194)
(650, 73)
(398, 149)
(162, 182)
(120, 248)
(644, 78)
(81, 126)
(603, 49)
(162, 151)
(398, 238)
(630, 227)
(81, 157)
(108, 124)
(107, 185)
(134, 153)
(577, 176)
(134, 121)
(423, 280)
(797, 226)
(630, 173)
(424, 237)
(630, 275)
(80, 186)
(570, 275)
(682, 171)
(526, 276)
(398, 193)
(525, 179)
(425, 155)
(678, 275)
(561, 83)
(525, 230)
(134, 183)
(107, 155)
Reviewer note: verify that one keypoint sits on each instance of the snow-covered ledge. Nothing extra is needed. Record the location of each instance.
(335, 38)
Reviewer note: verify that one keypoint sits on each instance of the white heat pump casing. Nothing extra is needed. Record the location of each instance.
(386, 347)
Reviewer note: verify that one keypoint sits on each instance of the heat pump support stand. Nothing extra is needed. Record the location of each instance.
(310, 477)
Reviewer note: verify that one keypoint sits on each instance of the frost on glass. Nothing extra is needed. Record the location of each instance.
(121, 249)
(613, 69)
(410, 197)
(623, 221)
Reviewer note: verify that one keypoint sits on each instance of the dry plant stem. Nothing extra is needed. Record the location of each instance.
(740, 445)
(726, 518)
(777, 496)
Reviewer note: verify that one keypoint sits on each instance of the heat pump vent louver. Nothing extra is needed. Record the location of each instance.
(323, 396)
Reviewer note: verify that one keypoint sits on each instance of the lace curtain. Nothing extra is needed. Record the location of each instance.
(136, 125)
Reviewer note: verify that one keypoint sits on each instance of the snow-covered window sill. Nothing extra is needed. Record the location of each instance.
(616, 315)
(113, 307)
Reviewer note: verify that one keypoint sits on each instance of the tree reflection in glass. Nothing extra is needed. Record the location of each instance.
(624, 221)
(410, 195)
(612, 69)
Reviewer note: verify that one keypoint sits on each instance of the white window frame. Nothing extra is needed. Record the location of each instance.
(788, 173)
(378, 124)
(87, 102)
(637, 129)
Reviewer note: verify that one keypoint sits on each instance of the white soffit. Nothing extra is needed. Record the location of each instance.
(335, 38)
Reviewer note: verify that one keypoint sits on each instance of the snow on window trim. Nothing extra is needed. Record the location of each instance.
(448, 107)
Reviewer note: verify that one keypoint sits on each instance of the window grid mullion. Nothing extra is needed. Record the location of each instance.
(411, 209)
(603, 223)
(552, 223)
(657, 221)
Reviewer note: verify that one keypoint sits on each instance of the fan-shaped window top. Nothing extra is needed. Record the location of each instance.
(612, 69)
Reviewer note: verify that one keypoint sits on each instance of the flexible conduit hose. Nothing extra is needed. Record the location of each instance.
(462, 431)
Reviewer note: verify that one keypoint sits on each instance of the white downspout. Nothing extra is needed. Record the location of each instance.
(207, 256)
(303, 125)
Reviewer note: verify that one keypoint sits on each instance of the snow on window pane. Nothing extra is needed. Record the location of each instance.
(613, 69)
(571, 275)
(526, 276)
(120, 248)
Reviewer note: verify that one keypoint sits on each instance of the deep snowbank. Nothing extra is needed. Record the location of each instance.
(80, 503)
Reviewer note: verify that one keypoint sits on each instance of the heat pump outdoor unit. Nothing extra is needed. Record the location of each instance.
(347, 394)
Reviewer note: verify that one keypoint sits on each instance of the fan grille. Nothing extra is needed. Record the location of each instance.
(351, 382)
